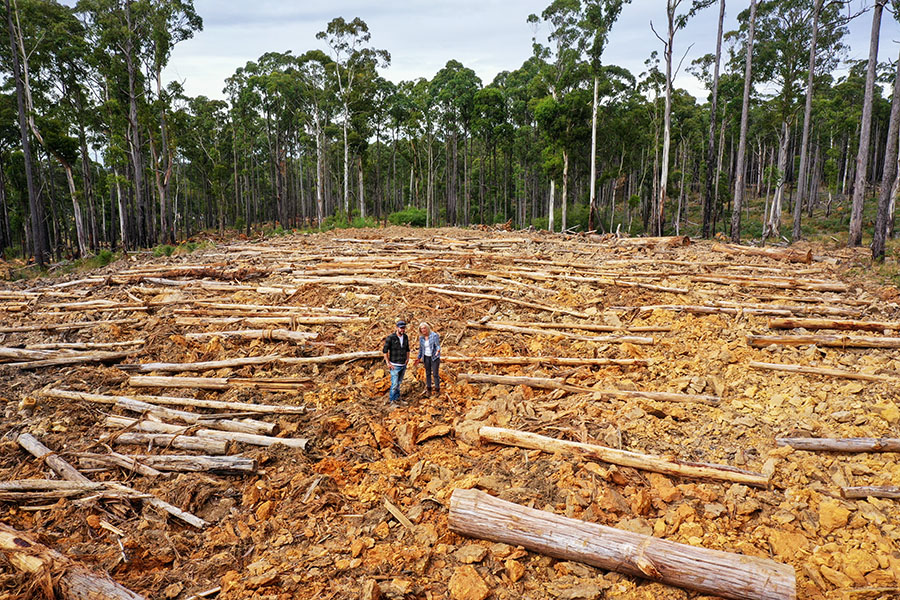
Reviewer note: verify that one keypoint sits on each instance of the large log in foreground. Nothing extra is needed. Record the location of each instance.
(622, 458)
(845, 324)
(805, 370)
(74, 582)
(477, 514)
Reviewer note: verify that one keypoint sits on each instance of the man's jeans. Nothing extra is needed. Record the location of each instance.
(397, 374)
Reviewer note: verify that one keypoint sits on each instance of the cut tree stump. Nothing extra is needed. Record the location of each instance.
(477, 514)
(830, 341)
(622, 458)
(553, 384)
(805, 370)
(842, 444)
(72, 580)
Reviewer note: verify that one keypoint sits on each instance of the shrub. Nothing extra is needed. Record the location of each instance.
(163, 250)
(416, 217)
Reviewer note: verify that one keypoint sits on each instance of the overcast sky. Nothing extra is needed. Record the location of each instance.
(487, 36)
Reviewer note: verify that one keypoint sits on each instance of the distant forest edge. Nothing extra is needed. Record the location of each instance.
(97, 153)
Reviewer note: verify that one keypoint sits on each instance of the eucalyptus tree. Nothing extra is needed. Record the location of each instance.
(862, 156)
(599, 17)
(740, 167)
(564, 71)
(785, 42)
(347, 43)
(887, 198)
(709, 166)
(40, 246)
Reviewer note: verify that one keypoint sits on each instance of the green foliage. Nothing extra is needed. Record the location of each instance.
(163, 250)
(416, 217)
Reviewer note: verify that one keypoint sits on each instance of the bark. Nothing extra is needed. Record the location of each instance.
(70, 579)
(871, 491)
(841, 444)
(740, 169)
(174, 462)
(712, 171)
(807, 124)
(200, 366)
(786, 254)
(622, 458)
(173, 401)
(862, 155)
(475, 513)
(215, 434)
(820, 371)
(830, 341)
(889, 174)
(554, 384)
(168, 440)
(833, 324)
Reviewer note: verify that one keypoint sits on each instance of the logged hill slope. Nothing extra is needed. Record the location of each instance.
(361, 510)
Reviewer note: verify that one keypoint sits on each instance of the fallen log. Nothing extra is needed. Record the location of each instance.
(871, 491)
(841, 444)
(168, 440)
(279, 335)
(264, 320)
(70, 473)
(228, 436)
(550, 360)
(821, 371)
(71, 580)
(601, 339)
(64, 326)
(477, 514)
(212, 421)
(830, 341)
(174, 401)
(74, 359)
(833, 311)
(705, 310)
(785, 284)
(665, 241)
(585, 326)
(284, 384)
(622, 458)
(553, 384)
(786, 254)
(85, 345)
(200, 366)
(25, 490)
(119, 460)
(833, 324)
(174, 462)
(330, 358)
(534, 305)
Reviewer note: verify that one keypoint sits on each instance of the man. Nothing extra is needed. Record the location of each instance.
(396, 355)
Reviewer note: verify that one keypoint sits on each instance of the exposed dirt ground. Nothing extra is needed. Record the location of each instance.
(314, 524)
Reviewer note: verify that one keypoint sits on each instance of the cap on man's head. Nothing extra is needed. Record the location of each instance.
(401, 323)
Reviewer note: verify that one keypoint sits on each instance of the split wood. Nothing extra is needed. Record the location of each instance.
(70, 473)
(477, 514)
(274, 384)
(554, 384)
(549, 360)
(871, 491)
(602, 339)
(74, 581)
(833, 324)
(822, 371)
(174, 401)
(280, 335)
(228, 436)
(172, 462)
(552, 309)
(786, 254)
(622, 458)
(842, 444)
(831, 341)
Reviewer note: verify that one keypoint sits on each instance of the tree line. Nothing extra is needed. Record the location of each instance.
(96, 151)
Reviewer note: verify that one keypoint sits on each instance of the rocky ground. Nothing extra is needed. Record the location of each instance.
(323, 522)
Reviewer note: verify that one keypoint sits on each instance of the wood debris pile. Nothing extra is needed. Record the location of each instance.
(217, 425)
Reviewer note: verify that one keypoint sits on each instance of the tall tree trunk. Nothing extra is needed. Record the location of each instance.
(667, 121)
(40, 244)
(862, 155)
(134, 137)
(889, 173)
(593, 190)
(550, 205)
(773, 223)
(807, 117)
(346, 163)
(362, 187)
(166, 232)
(711, 174)
(742, 143)
(565, 191)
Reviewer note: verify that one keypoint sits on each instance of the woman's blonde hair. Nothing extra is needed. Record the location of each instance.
(425, 325)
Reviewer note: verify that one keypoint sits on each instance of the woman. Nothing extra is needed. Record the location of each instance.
(430, 355)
